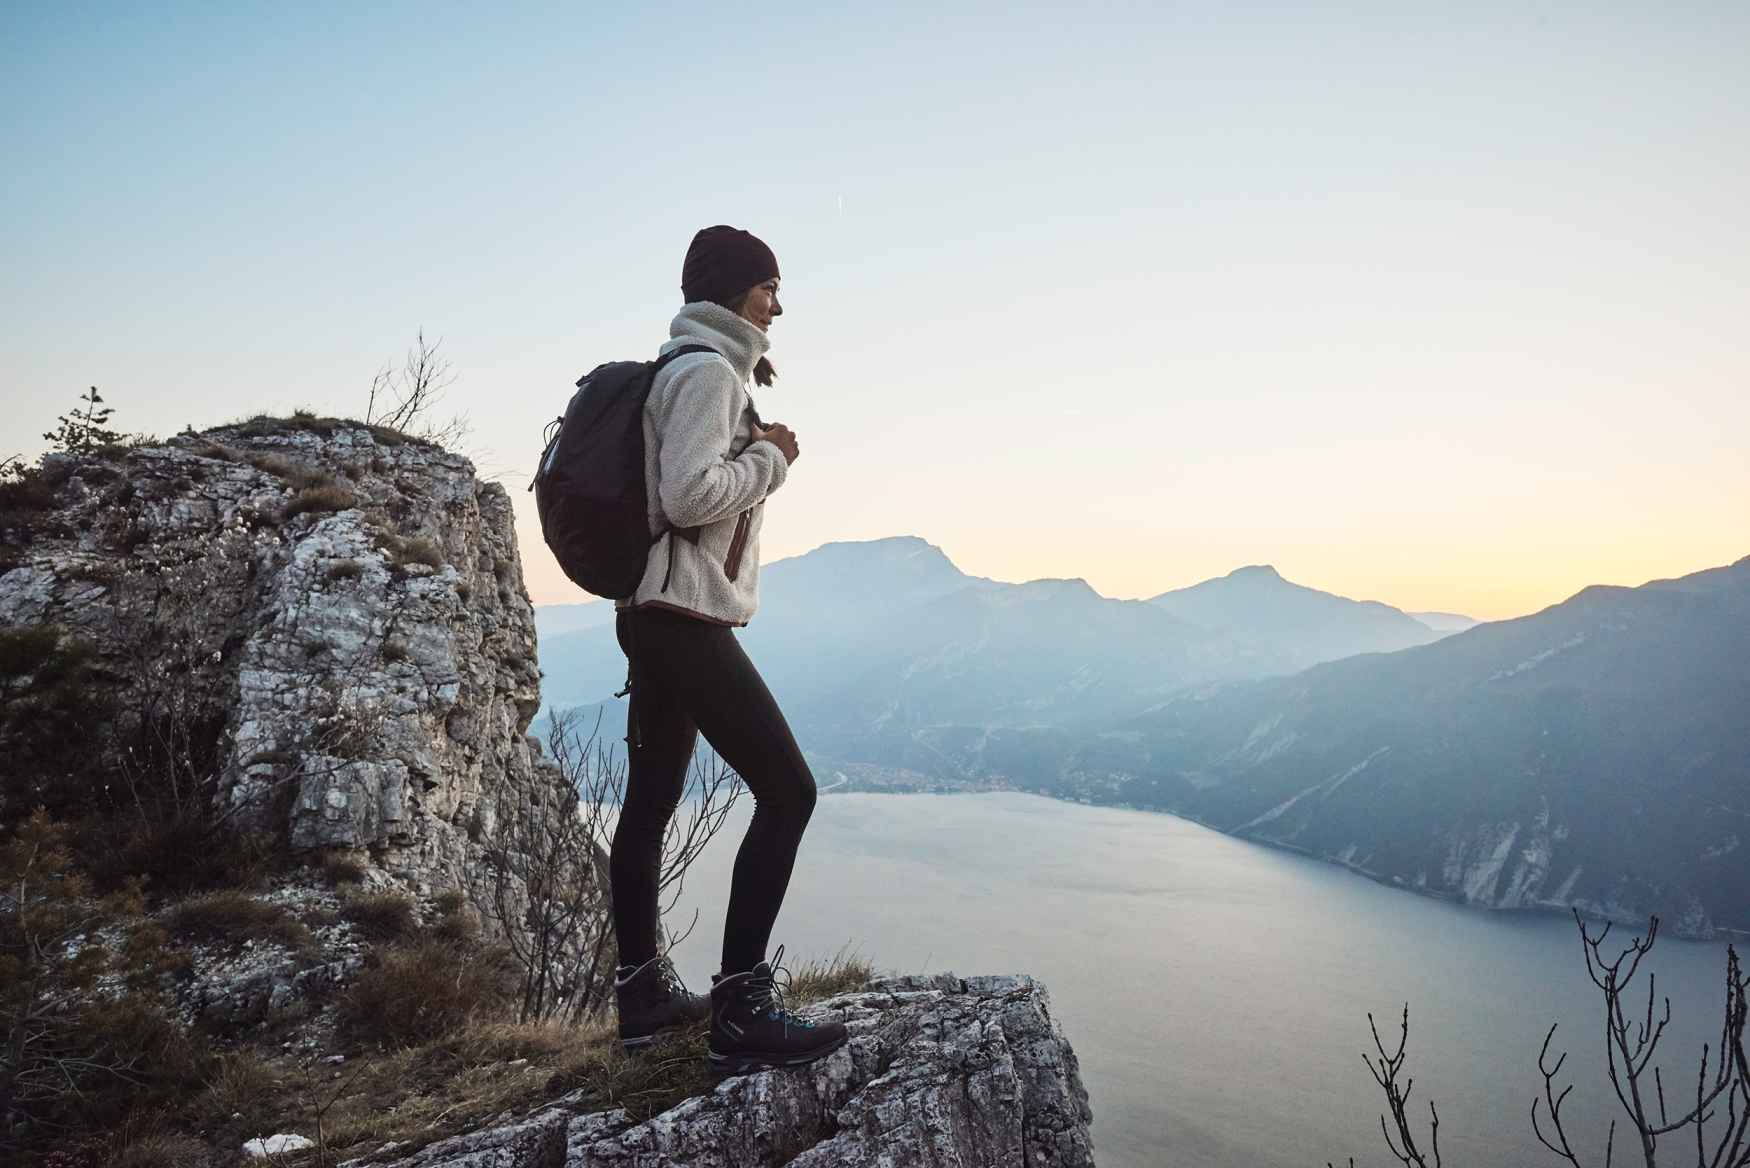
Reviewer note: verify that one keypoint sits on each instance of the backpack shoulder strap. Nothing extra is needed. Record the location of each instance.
(681, 352)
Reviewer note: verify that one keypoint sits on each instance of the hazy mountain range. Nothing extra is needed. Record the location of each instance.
(891, 628)
(1595, 753)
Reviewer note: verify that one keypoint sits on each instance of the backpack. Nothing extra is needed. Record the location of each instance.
(589, 489)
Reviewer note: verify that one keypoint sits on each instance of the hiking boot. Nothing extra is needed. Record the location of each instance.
(651, 997)
(751, 1029)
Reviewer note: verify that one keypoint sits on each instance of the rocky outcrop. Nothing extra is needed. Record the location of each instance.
(332, 615)
(938, 1070)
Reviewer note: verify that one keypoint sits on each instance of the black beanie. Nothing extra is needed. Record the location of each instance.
(723, 262)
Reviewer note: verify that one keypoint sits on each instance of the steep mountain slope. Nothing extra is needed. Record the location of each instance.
(1596, 753)
(1300, 625)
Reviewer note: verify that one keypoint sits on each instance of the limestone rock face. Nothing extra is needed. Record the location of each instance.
(342, 607)
(940, 1070)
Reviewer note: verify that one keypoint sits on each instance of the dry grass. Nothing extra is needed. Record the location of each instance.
(419, 551)
(402, 552)
(424, 1093)
(822, 977)
(461, 1076)
(317, 500)
(307, 421)
(299, 474)
(233, 915)
(339, 869)
(242, 1083)
(380, 916)
(158, 1149)
(420, 990)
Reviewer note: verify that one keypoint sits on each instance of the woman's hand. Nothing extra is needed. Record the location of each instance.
(779, 435)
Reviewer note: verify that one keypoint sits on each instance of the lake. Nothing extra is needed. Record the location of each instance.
(1216, 991)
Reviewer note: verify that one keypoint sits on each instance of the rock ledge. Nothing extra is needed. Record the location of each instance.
(938, 1070)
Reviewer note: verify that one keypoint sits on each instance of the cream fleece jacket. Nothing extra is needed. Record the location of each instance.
(706, 480)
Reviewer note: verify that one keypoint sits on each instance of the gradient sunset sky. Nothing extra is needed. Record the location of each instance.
(1445, 306)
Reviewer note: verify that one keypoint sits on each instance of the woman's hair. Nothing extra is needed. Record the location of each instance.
(763, 371)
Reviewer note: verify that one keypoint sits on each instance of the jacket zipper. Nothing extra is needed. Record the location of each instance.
(732, 562)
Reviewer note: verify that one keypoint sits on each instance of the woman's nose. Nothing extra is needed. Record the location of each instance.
(777, 309)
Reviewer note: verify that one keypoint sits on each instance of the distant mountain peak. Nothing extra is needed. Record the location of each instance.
(889, 543)
(1255, 571)
(1059, 586)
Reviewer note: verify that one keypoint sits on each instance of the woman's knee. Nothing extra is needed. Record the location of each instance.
(788, 792)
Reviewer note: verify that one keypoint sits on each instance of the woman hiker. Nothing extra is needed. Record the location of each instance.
(709, 464)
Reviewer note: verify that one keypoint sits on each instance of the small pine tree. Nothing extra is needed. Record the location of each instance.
(85, 428)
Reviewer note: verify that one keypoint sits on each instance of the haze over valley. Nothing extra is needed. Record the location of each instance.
(1592, 754)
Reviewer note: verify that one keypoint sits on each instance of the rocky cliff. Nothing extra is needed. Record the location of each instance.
(315, 633)
(335, 613)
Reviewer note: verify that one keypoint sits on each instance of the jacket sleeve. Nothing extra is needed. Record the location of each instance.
(698, 483)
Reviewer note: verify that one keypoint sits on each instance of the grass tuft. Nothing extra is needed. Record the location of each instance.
(380, 916)
(421, 989)
(317, 499)
(341, 869)
(817, 979)
(234, 915)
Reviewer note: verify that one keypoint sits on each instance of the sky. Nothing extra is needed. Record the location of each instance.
(1443, 306)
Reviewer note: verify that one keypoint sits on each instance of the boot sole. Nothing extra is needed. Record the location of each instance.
(743, 1062)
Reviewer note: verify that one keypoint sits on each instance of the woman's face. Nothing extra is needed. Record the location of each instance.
(760, 304)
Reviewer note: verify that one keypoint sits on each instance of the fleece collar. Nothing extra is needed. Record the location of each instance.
(738, 339)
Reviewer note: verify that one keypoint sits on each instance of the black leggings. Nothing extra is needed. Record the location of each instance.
(689, 676)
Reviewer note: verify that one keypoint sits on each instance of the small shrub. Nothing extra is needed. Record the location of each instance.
(159, 1150)
(454, 922)
(381, 916)
(241, 1082)
(419, 551)
(166, 1063)
(48, 707)
(29, 491)
(339, 869)
(230, 915)
(266, 425)
(178, 848)
(300, 475)
(129, 535)
(344, 570)
(317, 499)
(422, 989)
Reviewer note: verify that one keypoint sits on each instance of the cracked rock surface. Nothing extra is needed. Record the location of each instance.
(939, 1070)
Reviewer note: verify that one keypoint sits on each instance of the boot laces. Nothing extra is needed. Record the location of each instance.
(764, 993)
(665, 975)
